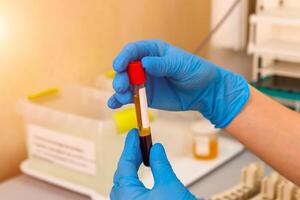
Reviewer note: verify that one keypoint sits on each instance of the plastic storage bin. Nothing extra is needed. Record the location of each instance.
(71, 137)
(73, 141)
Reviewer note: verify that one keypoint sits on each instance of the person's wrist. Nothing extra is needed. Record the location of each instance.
(224, 99)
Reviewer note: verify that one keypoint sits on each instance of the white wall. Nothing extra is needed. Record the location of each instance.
(233, 33)
(47, 43)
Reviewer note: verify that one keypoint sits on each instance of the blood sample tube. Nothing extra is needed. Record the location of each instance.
(137, 79)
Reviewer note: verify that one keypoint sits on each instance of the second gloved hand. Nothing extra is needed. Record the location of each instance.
(180, 81)
(127, 185)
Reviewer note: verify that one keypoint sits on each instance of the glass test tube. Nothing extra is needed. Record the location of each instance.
(137, 78)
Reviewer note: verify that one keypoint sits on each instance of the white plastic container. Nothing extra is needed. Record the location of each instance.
(71, 137)
(205, 140)
(77, 122)
(104, 82)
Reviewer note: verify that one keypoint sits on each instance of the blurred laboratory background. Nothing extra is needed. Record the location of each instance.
(56, 61)
(53, 43)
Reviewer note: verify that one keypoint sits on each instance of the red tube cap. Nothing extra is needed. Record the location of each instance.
(136, 73)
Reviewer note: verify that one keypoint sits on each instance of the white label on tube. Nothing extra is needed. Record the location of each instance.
(144, 108)
(66, 150)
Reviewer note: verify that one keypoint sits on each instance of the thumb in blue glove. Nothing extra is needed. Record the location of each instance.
(126, 181)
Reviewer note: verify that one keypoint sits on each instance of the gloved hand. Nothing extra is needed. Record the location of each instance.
(180, 81)
(127, 185)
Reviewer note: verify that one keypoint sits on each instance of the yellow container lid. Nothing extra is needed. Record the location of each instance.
(43, 93)
(110, 74)
(126, 119)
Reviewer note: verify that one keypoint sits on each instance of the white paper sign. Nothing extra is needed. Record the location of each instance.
(66, 150)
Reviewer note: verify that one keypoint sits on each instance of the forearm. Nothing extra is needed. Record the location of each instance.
(272, 132)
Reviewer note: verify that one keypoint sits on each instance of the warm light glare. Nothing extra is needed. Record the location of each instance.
(3, 29)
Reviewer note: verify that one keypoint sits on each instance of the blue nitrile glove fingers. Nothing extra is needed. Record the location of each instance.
(138, 50)
(126, 182)
(121, 82)
(127, 185)
(113, 102)
(180, 81)
(166, 184)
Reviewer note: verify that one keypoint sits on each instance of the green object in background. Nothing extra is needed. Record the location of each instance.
(279, 93)
(279, 87)
(126, 119)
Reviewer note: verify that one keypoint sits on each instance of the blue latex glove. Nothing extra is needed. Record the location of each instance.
(127, 185)
(180, 81)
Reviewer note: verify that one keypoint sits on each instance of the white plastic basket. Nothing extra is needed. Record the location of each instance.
(71, 137)
(78, 118)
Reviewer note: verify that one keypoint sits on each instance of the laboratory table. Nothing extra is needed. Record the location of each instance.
(25, 187)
